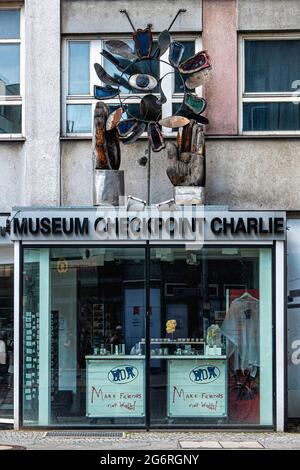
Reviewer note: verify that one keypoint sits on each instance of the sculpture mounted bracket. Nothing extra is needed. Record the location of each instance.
(108, 179)
(186, 164)
(135, 72)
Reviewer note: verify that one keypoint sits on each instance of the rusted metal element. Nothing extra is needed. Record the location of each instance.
(186, 162)
(174, 121)
(114, 118)
(155, 137)
(99, 140)
(106, 148)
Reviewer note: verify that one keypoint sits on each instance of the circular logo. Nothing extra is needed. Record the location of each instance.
(123, 374)
(204, 374)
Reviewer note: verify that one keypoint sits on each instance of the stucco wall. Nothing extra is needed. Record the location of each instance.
(93, 16)
(220, 40)
(42, 101)
(11, 171)
(256, 15)
(254, 174)
(241, 173)
(77, 182)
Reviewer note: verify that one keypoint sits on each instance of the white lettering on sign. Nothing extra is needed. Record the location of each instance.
(296, 354)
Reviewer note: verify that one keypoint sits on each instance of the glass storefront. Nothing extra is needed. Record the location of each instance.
(6, 340)
(86, 351)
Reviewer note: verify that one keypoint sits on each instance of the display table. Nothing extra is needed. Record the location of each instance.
(197, 386)
(115, 386)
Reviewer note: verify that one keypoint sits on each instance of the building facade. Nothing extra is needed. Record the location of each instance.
(81, 315)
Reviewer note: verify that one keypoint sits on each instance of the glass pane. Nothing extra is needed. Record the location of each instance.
(293, 318)
(6, 340)
(9, 69)
(79, 118)
(10, 119)
(271, 116)
(188, 52)
(271, 66)
(87, 366)
(148, 67)
(209, 364)
(9, 24)
(79, 68)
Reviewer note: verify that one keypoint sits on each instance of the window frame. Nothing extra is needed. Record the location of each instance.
(96, 44)
(262, 97)
(16, 100)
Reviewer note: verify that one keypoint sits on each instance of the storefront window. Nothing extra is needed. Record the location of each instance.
(85, 344)
(6, 340)
(83, 325)
(293, 318)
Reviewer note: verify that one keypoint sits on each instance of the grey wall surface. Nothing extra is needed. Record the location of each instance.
(92, 16)
(254, 174)
(259, 15)
(11, 171)
(42, 99)
(77, 181)
(243, 174)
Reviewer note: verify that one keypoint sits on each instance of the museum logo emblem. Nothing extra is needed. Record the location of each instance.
(123, 374)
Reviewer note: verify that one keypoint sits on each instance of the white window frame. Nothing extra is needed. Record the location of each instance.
(96, 44)
(16, 100)
(273, 97)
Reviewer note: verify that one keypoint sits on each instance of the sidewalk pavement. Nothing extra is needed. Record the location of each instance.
(175, 440)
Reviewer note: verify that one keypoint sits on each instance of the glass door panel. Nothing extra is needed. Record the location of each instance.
(209, 365)
(84, 328)
(6, 341)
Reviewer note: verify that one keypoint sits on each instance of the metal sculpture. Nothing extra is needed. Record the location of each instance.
(186, 159)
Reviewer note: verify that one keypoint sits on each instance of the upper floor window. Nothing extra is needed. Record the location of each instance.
(80, 77)
(10, 76)
(270, 80)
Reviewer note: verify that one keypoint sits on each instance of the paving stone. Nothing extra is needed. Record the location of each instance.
(241, 445)
(200, 445)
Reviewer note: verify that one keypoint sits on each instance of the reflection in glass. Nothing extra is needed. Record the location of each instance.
(10, 119)
(9, 69)
(9, 24)
(271, 116)
(79, 68)
(6, 340)
(79, 118)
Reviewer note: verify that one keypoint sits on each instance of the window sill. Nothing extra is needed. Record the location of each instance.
(251, 136)
(12, 139)
(87, 137)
